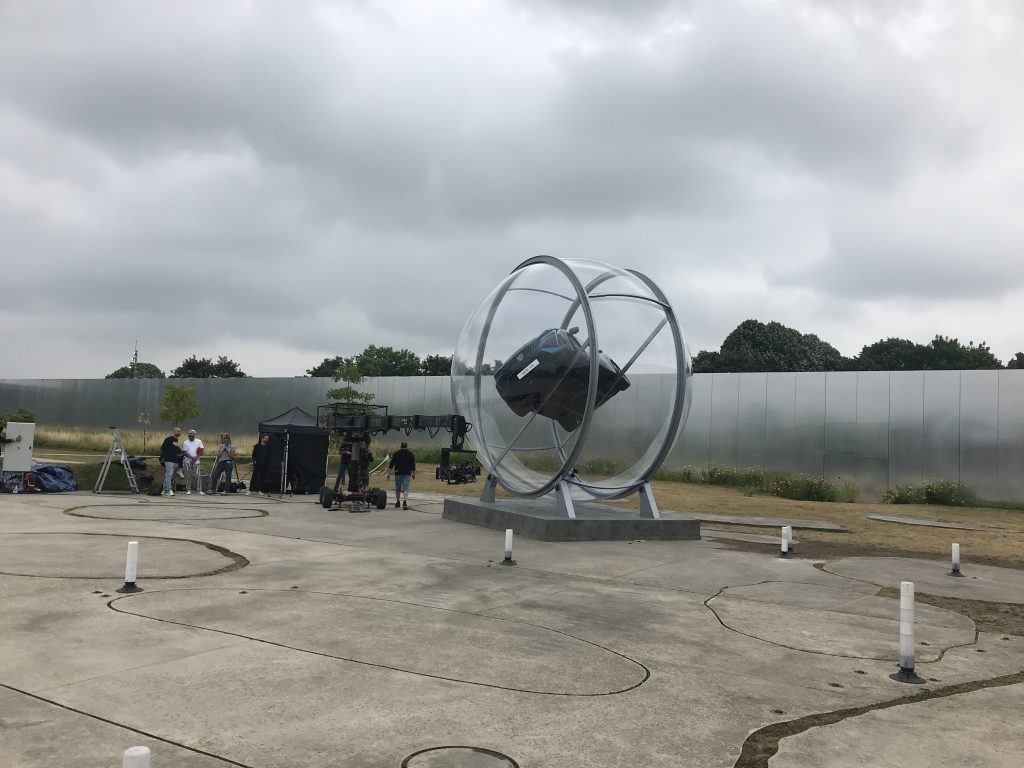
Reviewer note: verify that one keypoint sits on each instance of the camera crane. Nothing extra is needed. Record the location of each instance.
(358, 421)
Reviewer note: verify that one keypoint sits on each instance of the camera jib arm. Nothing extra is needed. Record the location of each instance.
(351, 419)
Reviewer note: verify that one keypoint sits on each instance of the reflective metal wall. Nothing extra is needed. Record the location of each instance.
(873, 429)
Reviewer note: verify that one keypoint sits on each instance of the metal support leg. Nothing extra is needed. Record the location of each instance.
(648, 506)
(487, 495)
(563, 500)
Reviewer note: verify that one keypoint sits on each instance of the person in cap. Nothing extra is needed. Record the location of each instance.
(193, 449)
(403, 464)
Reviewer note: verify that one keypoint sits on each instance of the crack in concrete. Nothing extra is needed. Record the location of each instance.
(707, 605)
(644, 667)
(238, 562)
(147, 734)
(763, 744)
(73, 512)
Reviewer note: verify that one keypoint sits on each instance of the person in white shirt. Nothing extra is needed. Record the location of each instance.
(193, 450)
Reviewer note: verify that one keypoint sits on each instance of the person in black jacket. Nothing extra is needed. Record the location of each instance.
(260, 466)
(345, 466)
(404, 465)
(170, 456)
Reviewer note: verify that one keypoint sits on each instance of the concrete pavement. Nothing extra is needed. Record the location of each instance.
(274, 633)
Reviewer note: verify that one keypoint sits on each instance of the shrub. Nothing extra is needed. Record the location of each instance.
(802, 487)
(945, 492)
(753, 480)
(941, 492)
(903, 494)
(18, 415)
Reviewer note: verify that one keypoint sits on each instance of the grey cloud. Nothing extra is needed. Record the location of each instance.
(826, 101)
(329, 176)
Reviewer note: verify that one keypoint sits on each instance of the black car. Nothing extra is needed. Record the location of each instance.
(549, 375)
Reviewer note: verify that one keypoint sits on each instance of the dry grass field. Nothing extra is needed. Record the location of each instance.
(864, 537)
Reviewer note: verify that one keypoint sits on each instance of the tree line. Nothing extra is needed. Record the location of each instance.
(751, 346)
(191, 368)
(756, 346)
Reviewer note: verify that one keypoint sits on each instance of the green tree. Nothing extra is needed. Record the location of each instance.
(349, 375)
(179, 403)
(18, 415)
(1017, 361)
(204, 368)
(892, 354)
(756, 346)
(948, 354)
(436, 365)
(387, 361)
(141, 371)
(329, 366)
(707, 362)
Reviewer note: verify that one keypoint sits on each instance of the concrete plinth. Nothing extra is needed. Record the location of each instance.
(594, 522)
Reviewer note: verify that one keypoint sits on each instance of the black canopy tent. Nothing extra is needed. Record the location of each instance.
(299, 444)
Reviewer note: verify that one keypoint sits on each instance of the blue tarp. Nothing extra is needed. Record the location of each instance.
(53, 478)
(47, 478)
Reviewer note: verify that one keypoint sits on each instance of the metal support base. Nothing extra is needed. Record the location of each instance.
(508, 561)
(487, 495)
(907, 675)
(129, 588)
(563, 500)
(648, 505)
(956, 572)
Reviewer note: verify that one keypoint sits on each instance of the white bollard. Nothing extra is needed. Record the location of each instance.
(956, 561)
(508, 548)
(789, 539)
(787, 534)
(135, 757)
(131, 567)
(907, 626)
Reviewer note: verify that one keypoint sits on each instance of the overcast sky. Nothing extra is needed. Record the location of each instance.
(283, 181)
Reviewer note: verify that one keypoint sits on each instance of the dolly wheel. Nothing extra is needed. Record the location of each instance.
(382, 499)
(326, 497)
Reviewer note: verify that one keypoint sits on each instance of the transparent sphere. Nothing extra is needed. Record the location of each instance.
(572, 369)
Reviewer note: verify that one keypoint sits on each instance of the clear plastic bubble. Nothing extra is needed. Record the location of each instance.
(572, 369)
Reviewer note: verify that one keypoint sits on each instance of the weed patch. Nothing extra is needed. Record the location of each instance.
(752, 481)
(942, 492)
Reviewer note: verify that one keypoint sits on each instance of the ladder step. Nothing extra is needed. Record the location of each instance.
(116, 449)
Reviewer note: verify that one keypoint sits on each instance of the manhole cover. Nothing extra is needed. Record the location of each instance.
(458, 757)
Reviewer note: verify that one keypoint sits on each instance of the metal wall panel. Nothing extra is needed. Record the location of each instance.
(809, 424)
(694, 447)
(724, 414)
(906, 428)
(902, 425)
(780, 420)
(753, 404)
(941, 444)
(1011, 435)
(871, 448)
(979, 429)
(840, 459)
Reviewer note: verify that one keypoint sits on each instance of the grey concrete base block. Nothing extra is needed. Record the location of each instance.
(594, 522)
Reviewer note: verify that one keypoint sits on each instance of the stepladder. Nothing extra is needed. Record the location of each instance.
(116, 453)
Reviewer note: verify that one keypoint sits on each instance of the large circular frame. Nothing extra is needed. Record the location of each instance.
(474, 342)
